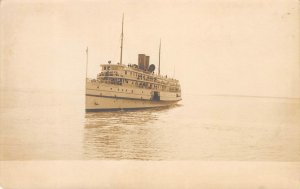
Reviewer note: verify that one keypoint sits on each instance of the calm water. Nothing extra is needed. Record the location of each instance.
(198, 128)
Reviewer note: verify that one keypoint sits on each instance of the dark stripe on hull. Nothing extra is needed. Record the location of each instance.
(127, 98)
(126, 109)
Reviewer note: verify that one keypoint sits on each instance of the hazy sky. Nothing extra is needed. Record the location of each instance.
(216, 47)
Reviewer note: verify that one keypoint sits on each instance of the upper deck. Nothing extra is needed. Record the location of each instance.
(131, 75)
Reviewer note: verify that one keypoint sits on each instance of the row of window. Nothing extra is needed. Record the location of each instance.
(132, 73)
(177, 95)
(120, 81)
(122, 90)
(116, 74)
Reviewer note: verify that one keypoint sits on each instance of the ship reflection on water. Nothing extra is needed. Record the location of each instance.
(125, 135)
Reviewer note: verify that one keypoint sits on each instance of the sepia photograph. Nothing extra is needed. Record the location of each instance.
(149, 94)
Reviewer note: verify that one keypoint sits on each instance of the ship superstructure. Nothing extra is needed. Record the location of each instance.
(132, 86)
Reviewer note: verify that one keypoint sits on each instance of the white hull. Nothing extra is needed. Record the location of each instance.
(97, 103)
(103, 97)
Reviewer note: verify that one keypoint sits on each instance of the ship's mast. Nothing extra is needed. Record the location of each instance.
(86, 69)
(159, 57)
(122, 40)
(87, 61)
(174, 71)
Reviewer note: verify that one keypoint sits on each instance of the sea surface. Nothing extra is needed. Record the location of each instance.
(225, 128)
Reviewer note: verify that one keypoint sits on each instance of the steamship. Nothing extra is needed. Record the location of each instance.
(132, 86)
